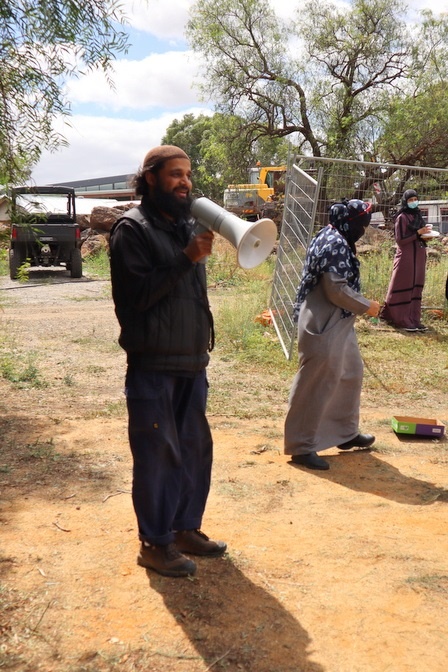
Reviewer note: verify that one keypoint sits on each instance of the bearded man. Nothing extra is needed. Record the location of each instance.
(166, 328)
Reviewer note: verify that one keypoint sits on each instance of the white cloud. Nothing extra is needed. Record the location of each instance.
(167, 20)
(163, 19)
(437, 7)
(101, 146)
(159, 80)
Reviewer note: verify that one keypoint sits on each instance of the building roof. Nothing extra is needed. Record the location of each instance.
(37, 203)
(95, 181)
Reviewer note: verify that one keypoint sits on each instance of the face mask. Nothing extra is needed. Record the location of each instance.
(357, 227)
(413, 204)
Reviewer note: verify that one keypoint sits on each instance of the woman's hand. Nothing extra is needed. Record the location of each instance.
(373, 309)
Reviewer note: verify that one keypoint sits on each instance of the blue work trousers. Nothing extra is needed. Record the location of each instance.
(172, 451)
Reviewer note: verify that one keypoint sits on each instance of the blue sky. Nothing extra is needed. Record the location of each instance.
(110, 131)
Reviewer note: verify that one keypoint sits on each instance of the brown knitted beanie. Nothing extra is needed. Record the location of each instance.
(162, 153)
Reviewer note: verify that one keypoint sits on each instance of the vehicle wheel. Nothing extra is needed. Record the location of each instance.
(76, 264)
(16, 259)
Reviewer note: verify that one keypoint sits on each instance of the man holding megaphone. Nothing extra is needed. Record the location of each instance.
(166, 329)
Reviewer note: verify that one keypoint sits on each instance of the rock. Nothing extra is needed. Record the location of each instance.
(104, 218)
(433, 253)
(95, 228)
(93, 245)
(83, 221)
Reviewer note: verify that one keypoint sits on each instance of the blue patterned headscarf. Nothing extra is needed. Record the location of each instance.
(333, 250)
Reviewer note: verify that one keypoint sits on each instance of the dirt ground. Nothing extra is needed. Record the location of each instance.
(337, 571)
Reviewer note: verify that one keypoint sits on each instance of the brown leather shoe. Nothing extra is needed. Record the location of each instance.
(165, 560)
(196, 542)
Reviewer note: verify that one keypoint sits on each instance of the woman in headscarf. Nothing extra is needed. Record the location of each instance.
(325, 395)
(403, 305)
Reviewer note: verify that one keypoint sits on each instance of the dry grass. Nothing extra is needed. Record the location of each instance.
(61, 439)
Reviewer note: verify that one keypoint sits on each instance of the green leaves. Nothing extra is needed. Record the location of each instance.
(328, 77)
(220, 151)
(42, 43)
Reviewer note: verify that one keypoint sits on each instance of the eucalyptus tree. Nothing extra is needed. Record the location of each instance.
(332, 75)
(220, 152)
(42, 43)
(414, 125)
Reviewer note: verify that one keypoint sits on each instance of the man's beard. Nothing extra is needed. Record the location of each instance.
(170, 204)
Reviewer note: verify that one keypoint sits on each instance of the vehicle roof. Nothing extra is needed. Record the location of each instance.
(34, 203)
(57, 203)
(43, 190)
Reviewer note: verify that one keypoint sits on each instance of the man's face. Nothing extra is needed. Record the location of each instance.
(171, 187)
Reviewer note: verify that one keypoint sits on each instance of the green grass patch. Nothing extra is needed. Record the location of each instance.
(112, 409)
(437, 583)
(21, 370)
(43, 450)
(376, 271)
(4, 261)
(97, 265)
(397, 363)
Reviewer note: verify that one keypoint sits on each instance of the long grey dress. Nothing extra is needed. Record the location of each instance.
(325, 395)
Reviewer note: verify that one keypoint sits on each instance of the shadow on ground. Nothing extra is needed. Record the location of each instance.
(234, 623)
(31, 464)
(363, 471)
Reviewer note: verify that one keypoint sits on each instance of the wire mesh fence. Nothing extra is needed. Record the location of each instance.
(313, 184)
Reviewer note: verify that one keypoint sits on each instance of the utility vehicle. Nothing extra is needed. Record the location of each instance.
(44, 231)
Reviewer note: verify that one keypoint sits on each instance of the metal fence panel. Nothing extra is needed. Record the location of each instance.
(299, 216)
(312, 184)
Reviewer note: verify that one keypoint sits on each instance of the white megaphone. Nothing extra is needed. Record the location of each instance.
(253, 240)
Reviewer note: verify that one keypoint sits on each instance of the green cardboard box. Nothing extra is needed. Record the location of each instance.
(402, 424)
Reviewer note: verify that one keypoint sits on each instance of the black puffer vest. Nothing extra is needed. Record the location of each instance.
(160, 296)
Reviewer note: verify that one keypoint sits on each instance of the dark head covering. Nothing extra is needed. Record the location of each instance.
(333, 250)
(409, 193)
(351, 218)
(162, 153)
(416, 222)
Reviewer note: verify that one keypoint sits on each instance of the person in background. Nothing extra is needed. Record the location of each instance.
(325, 395)
(403, 304)
(160, 295)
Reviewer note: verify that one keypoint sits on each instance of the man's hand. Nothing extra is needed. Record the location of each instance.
(200, 246)
(373, 309)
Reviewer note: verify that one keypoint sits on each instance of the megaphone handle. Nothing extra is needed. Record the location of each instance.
(200, 228)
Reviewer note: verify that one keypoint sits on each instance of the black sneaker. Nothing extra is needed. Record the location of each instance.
(166, 560)
(422, 327)
(412, 329)
(195, 542)
(360, 441)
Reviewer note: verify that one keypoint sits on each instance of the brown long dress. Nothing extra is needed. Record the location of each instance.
(403, 305)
